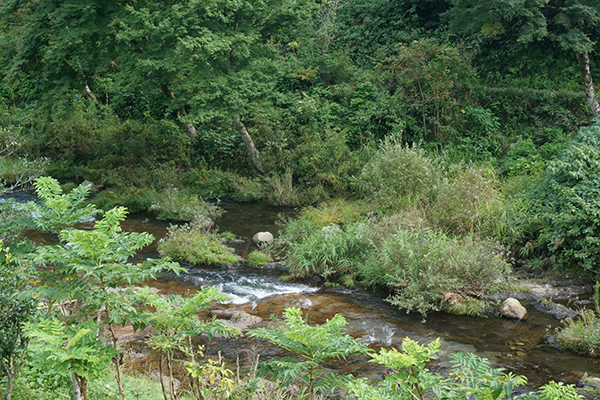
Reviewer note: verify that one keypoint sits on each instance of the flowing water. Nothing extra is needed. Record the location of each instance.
(518, 346)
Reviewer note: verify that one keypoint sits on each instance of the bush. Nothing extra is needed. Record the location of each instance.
(467, 200)
(569, 202)
(258, 259)
(337, 211)
(330, 251)
(177, 206)
(581, 335)
(398, 176)
(192, 244)
(423, 265)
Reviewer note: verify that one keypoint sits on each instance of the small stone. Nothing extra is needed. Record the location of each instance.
(590, 383)
(263, 238)
(511, 308)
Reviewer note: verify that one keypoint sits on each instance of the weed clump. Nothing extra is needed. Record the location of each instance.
(193, 244)
(258, 259)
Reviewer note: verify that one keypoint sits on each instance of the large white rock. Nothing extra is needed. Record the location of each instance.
(511, 308)
(263, 238)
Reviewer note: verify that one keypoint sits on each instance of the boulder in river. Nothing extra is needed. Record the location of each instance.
(589, 387)
(511, 308)
(263, 238)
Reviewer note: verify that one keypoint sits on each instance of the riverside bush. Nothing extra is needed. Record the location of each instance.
(467, 200)
(193, 244)
(583, 334)
(421, 266)
(330, 251)
(569, 201)
(258, 258)
(336, 211)
(398, 176)
(174, 205)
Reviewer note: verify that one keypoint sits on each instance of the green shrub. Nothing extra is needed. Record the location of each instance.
(420, 266)
(136, 200)
(258, 258)
(192, 244)
(398, 176)
(330, 251)
(58, 210)
(581, 335)
(338, 211)
(177, 206)
(467, 200)
(283, 191)
(569, 202)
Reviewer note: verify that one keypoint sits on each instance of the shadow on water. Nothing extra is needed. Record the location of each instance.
(518, 346)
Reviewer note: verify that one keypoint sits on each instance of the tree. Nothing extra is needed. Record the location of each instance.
(74, 350)
(174, 321)
(88, 266)
(568, 200)
(434, 67)
(58, 210)
(209, 59)
(62, 42)
(314, 345)
(572, 24)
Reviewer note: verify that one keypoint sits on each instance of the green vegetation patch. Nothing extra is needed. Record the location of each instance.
(193, 244)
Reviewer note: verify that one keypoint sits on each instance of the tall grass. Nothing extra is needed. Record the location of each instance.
(330, 252)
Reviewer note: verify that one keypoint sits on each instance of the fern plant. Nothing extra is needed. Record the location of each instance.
(313, 345)
(174, 321)
(58, 210)
(69, 350)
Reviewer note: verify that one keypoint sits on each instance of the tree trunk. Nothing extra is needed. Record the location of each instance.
(91, 94)
(76, 388)
(249, 145)
(171, 382)
(117, 362)
(586, 76)
(161, 375)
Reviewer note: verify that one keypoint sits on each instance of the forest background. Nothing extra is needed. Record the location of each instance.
(472, 120)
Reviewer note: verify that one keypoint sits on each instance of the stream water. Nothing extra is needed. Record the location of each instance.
(517, 346)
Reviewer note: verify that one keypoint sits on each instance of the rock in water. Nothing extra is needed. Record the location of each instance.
(511, 308)
(263, 238)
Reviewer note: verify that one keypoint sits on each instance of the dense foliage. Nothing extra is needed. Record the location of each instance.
(458, 133)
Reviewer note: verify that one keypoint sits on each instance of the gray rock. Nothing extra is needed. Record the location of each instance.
(557, 310)
(239, 320)
(590, 382)
(511, 308)
(263, 238)
(589, 387)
